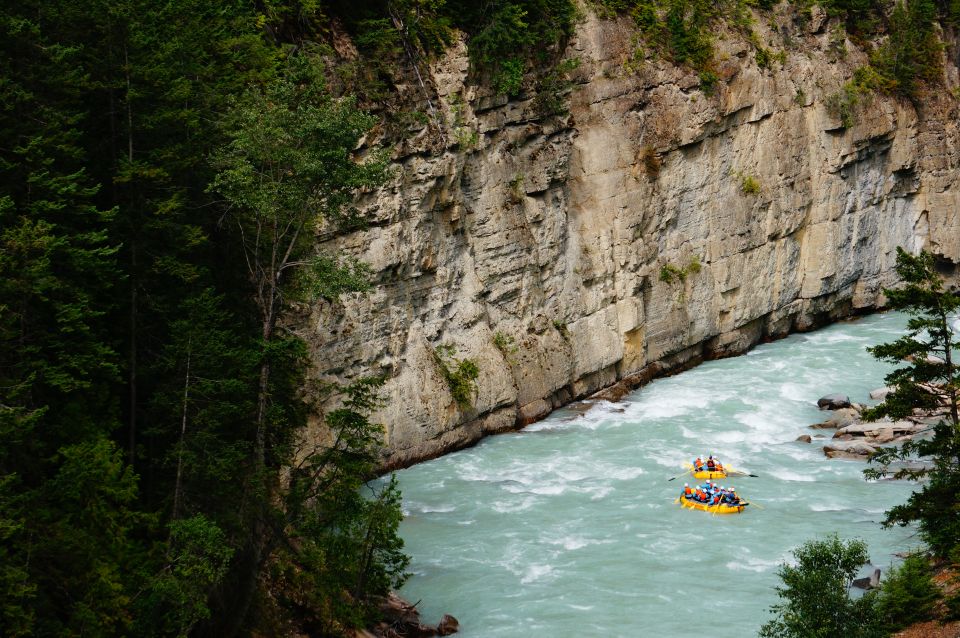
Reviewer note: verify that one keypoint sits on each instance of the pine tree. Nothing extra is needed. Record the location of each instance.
(928, 382)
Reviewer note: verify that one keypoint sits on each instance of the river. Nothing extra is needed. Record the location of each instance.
(569, 527)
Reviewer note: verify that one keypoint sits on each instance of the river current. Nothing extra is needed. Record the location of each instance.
(569, 526)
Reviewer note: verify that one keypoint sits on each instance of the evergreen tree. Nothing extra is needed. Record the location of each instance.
(928, 381)
(66, 499)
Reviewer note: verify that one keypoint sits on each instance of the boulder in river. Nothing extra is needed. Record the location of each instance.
(876, 429)
(880, 393)
(839, 419)
(848, 450)
(868, 582)
(403, 619)
(804, 438)
(833, 402)
(448, 625)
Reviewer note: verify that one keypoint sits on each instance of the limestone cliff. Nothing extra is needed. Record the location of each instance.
(554, 231)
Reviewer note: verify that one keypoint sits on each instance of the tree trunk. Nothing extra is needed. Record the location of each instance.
(256, 553)
(178, 483)
(948, 358)
(132, 372)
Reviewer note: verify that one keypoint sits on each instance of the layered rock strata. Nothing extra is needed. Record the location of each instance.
(651, 226)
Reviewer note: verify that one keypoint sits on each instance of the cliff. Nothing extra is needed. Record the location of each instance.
(649, 227)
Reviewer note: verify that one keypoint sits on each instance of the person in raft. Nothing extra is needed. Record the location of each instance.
(730, 496)
(714, 465)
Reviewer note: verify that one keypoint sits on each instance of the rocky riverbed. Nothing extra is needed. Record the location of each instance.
(857, 438)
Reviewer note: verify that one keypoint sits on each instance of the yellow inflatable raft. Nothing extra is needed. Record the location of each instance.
(706, 474)
(722, 508)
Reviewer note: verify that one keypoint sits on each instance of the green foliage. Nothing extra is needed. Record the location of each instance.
(289, 159)
(467, 137)
(343, 527)
(509, 77)
(670, 273)
(132, 484)
(844, 103)
(505, 35)
(505, 344)
(682, 30)
(553, 87)
(461, 374)
(908, 594)
(912, 53)
(860, 16)
(815, 594)
(749, 185)
(177, 597)
(928, 381)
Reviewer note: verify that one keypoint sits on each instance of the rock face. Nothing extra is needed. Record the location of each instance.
(545, 248)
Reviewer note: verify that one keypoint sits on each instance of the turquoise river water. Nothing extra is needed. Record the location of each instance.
(569, 527)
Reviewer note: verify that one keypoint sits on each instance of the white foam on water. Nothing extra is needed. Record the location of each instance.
(732, 436)
(825, 507)
(798, 453)
(535, 573)
(580, 607)
(438, 509)
(831, 336)
(752, 564)
(508, 507)
(795, 392)
(787, 475)
(573, 543)
(597, 493)
(624, 474)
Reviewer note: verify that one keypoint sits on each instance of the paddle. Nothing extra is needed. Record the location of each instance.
(754, 504)
(739, 473)
(678, 476)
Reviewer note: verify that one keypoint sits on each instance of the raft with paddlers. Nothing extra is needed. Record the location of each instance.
(708, 474)
(720, 508)
(712, 468)
(709, 468)
(713, 498)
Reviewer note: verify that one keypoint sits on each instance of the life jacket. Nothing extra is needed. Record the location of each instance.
(710, 464)
(700, 495)
(719, 467)
(687, 491)
(716, 499)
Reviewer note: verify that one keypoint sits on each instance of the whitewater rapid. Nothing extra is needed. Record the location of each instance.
(569, 527)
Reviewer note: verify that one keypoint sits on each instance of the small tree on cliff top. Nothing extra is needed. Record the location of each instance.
(929, 382)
